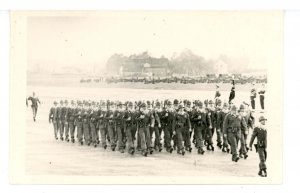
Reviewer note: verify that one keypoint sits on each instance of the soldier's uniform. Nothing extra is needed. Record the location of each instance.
(71, 120)
(130, 123)
(145, 119)
(224, 112)
(53, 117)
(198, 118)
(260, 133)
(187, 132)
(181, 121)
(86, 124)
(60, 112)
(118, 119)
(79, 122)
(219, 118)
(102, 124)
(232, 129)
(34, 104)
(111, 127)
(252, 97)
(65, 119)
(156, 127)
(167, 121)
(93, 125)
(244, 133)
(209, 118)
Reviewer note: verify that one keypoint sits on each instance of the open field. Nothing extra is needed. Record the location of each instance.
(45, 155)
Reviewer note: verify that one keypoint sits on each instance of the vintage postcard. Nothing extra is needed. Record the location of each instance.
(146, 97)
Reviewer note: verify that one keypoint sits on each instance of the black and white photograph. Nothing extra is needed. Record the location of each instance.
(146, 97)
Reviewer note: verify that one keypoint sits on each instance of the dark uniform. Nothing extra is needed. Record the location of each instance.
(232, 129)
(102, 125)
(167, 121)
(34, 104)
(261, 134)
(65, 119)
(53, 118)
(118, 119)
(79, 122)
(60, 120)
(86, 124)
(93, 125)
(71, 120)
(262, 98)
(130, 124)
(252, 97)
(157, 113)
(180, 123)
(111, 127)
(198, 118)
(219, 119)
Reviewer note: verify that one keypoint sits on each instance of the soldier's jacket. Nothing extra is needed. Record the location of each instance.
(233, 123)
(71, 115)
(64, 112)
(145, 119)
(53, 114)
(118, 117)
(261, 135)
(78, 114)
(182, 120)
(109, 117)
(101, 118)
(219, 118)
(34, 101)
(157, 116)
(198, 118)
(59, 113)
(86, 115)
(167, 117)
(213, 117)
(130, 118)
(94, 116)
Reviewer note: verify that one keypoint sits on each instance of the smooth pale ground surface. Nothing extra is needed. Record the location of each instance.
(45, 155)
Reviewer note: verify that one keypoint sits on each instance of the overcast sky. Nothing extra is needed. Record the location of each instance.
(90, 39)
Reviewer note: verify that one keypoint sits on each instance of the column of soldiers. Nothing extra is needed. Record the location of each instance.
(154, 125)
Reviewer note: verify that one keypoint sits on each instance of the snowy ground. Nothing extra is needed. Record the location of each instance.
(45, 155)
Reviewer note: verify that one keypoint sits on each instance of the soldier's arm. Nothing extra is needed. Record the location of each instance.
(189, 122)
(225, 124)
(254, 134)
(173, 122)
(158, 120)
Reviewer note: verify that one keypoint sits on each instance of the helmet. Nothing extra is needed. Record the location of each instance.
(262, 118)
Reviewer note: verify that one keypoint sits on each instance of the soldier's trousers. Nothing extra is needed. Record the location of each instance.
(120, 135)
(155, 130)
(219, 135)
(144, 135)
(233, 139)
(72, 129)
(209, 135)
(262, 158)
(34, 110)
(79, 126)
(93, 132)
(198, 132)
(61, 128)
(186, 137)
(243, 145)
(252, 103)
(112, 134)
(86, 132)
(167, 136)
(262, 101)
(66, 126)
(133, 131)
(103, 134)
(179, 134)
(129, 137)
(55, 127)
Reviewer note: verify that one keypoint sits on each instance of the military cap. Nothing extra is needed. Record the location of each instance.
(262, 118)
(188, 102)
(66, 101)
(175, 102)
(225, 105)
(61, 102)
(119, 104)
(211, 102)
(93, 103)
(200, 104)
(55, 102)
(169, 102)
(130, 104)
(206, 102)
(180, 106)
(157, 104)
(143, 105)
(233, 108)
(219, 102)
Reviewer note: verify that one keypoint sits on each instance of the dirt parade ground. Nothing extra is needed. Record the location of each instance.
(45, 155)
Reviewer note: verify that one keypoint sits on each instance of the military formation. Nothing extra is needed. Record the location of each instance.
(148, 127)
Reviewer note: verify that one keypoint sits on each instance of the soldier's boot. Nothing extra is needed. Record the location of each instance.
(105, 146)
(208, 148)
(206, 143)
(200, 151)
(150, 150)
(247, 148)
(228, 150)
(67, 140)
(182, 152)
(131, 151)
(245, 156)
(95, 144)
(144, 153)
(219, 145)
(98, 141)
(113, 147)
(160, 148)
(174, 147)
(241, 155)
(223, 149)
(73, 140)
(122, 150)
(171, 150)
(260, 173)
(56, 138)
(61, 138)
(235, 158)
(212, 147)
(265, 171)
(81, 142)
(88, 143)
(189, 149)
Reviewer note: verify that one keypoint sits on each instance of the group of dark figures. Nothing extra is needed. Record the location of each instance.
(150, 126)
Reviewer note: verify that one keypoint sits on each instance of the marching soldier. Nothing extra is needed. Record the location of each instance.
(86, 123)
(93, 124)
(209, 129)
(111, 127)
(65, 119)
(167, 121)
(260, 133)
(250, 120)
(118, 119)
(60, 112)
(79, 113)
(102, 124)
(187, 133)
(180, 122)
(253, 96)
(219, 123)
(145, 119)
(198, 117)
(224, 112)
(34, 104)
(53, 118)
(244, 128)
(71, 120)
(130, 123)
(156, 126)
(232, 130)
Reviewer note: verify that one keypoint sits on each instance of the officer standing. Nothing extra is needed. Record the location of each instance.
(225, 111)
(34, 104)
(244, 133)
(232, 130)
(260, 132)
(53, 118)
(253, 96)
(219, 122)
